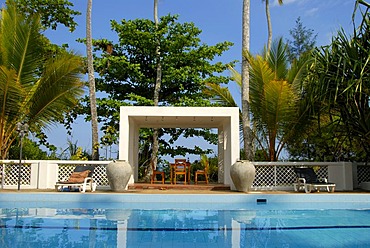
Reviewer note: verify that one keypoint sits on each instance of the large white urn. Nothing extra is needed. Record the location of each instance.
(118, 173)
(242, 173)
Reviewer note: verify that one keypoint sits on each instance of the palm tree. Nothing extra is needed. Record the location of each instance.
(269, 26)
(247, 134)
(33, 89)
(92, 91)
(275, 97)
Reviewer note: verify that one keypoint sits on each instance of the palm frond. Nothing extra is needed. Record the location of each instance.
(57, 90)
(236, 76)
(32, 90)
(20, 43)
(260, 74)
(220, 94)
(278, 59)
(11, 92)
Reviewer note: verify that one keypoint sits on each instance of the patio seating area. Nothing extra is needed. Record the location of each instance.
(180, 173)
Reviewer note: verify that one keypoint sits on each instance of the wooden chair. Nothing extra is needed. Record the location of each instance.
(204, 172)
(180, 169)
(155, 173)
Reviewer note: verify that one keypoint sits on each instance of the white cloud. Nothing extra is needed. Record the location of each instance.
(311, 12)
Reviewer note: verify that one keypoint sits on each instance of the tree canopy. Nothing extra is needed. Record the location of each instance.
(337, 96)
(127, 73)
(52, 12)
(303, 40)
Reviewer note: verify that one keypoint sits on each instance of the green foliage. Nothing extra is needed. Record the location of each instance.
(127, 71)
(30, 151)
(79, 155)
(212, 167)
(74, 152)
(275, 97)
(35, 87)
(303, 40)
(52, 12)
(338, 94)
(323, 142)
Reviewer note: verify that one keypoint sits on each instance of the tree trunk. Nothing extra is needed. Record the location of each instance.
(269, 26)
(92, 93)
(272, 144)
(157, 87)
(247, 133)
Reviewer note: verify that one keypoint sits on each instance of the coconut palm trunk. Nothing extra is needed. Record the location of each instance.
(92, 91)
(247, 134)
(157, 87)
(269, 25)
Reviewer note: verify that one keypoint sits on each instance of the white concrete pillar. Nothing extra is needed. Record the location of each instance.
(341, 174)
(34, 183)
(232, 152)
(48, 174)
(134, 151)
(227, 146)
(126, 141)
(221, 154)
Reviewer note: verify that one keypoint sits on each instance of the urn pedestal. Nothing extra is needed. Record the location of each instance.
(242, 174)
(118, 173)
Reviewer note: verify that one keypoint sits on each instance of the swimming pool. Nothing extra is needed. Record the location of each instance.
(94, 220)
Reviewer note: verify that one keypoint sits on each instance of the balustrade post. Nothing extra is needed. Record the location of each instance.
(22, 129)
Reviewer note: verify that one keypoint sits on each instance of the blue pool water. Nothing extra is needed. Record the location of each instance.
(258, 222)
(44, 227)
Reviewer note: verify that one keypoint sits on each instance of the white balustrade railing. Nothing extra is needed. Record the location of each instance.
(281, 176)
(42, 174)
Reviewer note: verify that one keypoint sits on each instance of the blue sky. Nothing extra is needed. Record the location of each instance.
(220, 20)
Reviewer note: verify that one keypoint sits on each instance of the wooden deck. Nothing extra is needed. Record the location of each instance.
(200, 186)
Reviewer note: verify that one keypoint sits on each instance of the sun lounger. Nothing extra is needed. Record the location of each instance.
(308, 180)
(81, 178)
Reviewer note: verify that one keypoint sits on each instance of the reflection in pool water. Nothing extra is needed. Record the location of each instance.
(80, 227)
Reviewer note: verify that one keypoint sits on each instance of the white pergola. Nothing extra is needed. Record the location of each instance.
(225, 119)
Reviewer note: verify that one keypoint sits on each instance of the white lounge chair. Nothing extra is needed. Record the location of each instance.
(308, 180)
(81, 178)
